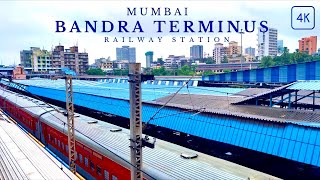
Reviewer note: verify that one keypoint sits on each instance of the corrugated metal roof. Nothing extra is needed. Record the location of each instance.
(264, 93)
(163, 162)
(121, 90)
(22, 158)
(312, 85)
(223, 106)
(6, 68)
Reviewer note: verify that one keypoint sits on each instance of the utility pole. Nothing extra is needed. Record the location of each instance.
(135, 121)
(241, 60)
(70, 123)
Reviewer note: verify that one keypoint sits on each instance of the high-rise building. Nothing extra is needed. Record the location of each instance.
(36, 60)
(219, 53)
(196, 52)
(267, 43)
(280, 46)
(149, 58)
(70, 58)
(25, 58)
(308, 45)
(250, 51)
(234, 49)
(126, 53)
(41, 61)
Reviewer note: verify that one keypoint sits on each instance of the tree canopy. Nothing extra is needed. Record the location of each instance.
(95, 72)
(287, 58)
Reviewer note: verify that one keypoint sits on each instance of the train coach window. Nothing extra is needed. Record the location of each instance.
(58, 143)
(86, 162)
(114, 177)
(67, 148)
(62, 145)
(55, 141)
(106, 175)
(80, 158)
(91, 166)
(49, 137)
(99, 170)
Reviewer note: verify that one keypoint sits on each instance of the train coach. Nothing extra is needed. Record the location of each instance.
(102, 153)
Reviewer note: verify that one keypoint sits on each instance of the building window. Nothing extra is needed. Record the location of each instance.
(99, 170)
(86, 161)
(106, 175)
(114, 177)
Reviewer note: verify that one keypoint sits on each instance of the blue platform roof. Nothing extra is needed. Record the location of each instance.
(121, 90)
(313, 85)
(291, 134)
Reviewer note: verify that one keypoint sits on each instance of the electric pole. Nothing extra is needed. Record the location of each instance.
(135, 121)
(241, 59)
(70, 123)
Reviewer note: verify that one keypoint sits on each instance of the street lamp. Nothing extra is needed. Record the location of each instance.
(241, 32)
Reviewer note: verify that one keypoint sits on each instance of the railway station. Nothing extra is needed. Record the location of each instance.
(276, 124)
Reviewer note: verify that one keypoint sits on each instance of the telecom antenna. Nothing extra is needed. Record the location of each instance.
(70, 122)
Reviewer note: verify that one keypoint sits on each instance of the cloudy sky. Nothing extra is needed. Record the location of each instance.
(26, 24)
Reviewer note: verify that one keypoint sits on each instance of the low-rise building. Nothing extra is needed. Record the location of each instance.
(121, 64)
(12, 72)
(249, 58)
(18, 73)
(175, 62)
(104, 64)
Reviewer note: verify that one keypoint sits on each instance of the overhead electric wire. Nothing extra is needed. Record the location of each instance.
(151, 118)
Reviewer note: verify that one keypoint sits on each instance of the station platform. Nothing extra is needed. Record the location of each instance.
(21, 157)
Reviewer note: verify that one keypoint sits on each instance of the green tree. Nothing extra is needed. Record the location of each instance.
(95, 72)
(120, 72)
(160, 61)
(225, 59)
(185, 71)
(208, 72)
(226, 70)
(267, 61)
(208, 60)
(159, 72)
